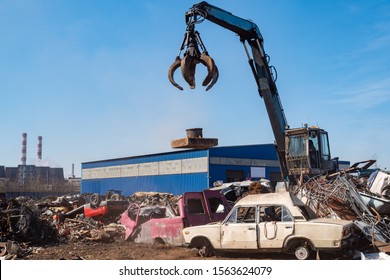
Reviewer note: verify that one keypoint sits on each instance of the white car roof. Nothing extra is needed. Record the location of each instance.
(285, 198)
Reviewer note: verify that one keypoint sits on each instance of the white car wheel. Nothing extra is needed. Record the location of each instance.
(302, 252)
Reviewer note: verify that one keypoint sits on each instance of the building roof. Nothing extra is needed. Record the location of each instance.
(172, 154)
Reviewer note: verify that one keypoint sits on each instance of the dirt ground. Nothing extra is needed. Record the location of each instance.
(122, 250)
(85, 238)
(125, 250)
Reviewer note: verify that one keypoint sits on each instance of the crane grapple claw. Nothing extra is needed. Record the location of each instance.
(192, 57)
(187, 66)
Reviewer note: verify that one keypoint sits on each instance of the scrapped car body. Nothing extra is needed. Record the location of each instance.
(194, 208)
(106, 208)
(101, 208)
(271, 222)
(235, 190)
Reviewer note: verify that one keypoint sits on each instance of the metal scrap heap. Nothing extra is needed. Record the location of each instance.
(341, 196)
(23, 221)
(153, 198)
(27, 222)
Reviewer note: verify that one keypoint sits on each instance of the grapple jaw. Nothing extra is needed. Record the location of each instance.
(193, 56)
(212, 76)
(172, 70)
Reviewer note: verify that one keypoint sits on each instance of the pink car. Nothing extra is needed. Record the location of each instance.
(194, 208)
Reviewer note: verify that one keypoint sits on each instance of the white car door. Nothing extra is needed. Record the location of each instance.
(239, 230)
(276, 223)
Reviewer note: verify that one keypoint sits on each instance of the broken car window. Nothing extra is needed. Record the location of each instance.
(270, 213)
(233, 217)
(216, 205)
(195, 206)
(246, 215)
(286, 216)
(243, 215)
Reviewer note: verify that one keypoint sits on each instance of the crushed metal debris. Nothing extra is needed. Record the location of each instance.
(340, 197)
(27, 223)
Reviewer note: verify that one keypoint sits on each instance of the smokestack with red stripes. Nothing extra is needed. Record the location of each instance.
(24, 148)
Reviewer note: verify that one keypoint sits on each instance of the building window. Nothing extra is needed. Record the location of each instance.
(234, 176)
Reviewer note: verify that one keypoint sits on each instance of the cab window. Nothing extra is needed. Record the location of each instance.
(297, 146)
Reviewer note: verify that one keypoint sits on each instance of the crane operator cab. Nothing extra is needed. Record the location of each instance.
(308, 153)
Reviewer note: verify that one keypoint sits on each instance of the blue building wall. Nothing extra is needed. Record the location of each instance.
(177, 183)
(174, 184)
(264, 151)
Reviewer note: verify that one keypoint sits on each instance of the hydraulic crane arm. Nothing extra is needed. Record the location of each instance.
(301, 151)
(250, 33)
(244, 28)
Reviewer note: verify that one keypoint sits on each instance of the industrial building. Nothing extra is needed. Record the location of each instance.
(34, 180)
(181, 171)
(31, 180)
(24, 175)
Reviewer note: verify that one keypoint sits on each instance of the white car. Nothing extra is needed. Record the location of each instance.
(271, 222)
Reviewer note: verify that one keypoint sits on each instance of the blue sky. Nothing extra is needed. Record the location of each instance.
(90, 77)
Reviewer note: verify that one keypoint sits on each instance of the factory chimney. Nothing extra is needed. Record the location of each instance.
(73, 176)
(39, 150)
(24, 148)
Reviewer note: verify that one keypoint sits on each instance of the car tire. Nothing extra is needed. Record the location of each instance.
(115, 196)
(206, 249)
(302, 252)
(95, 200)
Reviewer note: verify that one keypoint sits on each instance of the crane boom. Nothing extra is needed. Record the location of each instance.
(250, 33)
(301, 151)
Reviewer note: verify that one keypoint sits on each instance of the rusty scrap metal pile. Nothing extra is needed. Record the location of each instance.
(23, 222)
(153, 198)
(27, 222)
(341, 196)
